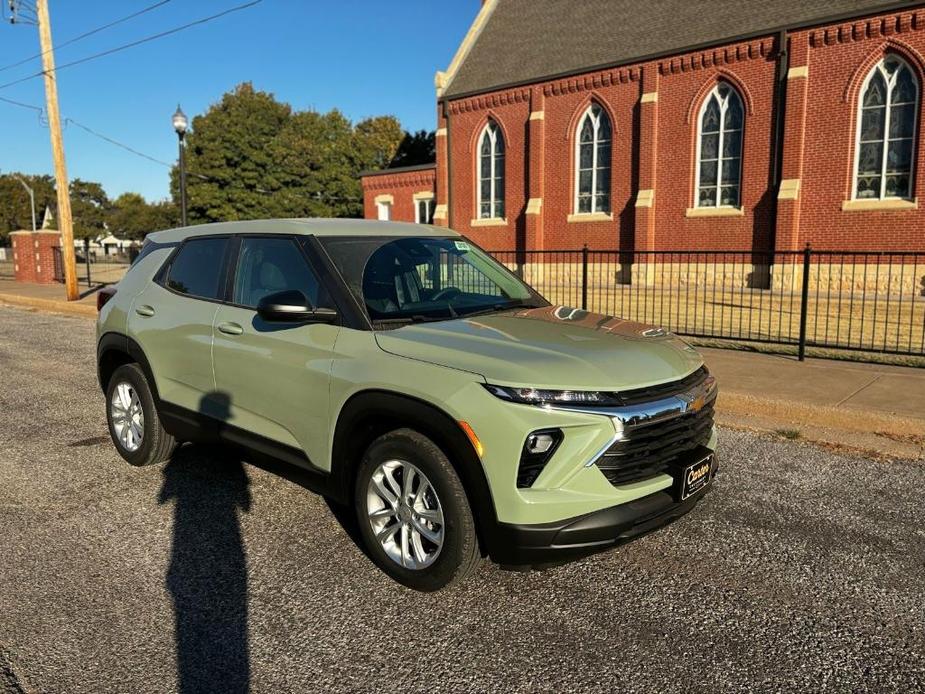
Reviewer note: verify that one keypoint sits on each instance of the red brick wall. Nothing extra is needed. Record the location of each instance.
(838, 58)
(466, 122)
(401, 185)
(33, 255)
(684, 84)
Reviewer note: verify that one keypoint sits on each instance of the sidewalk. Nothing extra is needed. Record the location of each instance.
(873, 408)
(47, 297)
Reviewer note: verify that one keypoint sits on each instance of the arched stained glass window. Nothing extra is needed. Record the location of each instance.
(888, 106)
(719, 149)
(491, 172)
(592, 159)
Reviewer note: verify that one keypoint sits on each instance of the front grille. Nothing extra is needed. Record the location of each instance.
(646, 451)
(663, 390)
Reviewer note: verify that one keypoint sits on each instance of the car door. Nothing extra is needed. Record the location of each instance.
(275, 376)
(172, 321)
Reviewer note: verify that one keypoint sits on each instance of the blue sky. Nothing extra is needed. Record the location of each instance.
(365, 57)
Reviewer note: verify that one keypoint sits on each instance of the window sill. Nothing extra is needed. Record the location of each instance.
(878, 204)
(714, 212)
(489, 222)
(590, 217)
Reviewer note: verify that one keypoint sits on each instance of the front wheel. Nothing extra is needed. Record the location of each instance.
(413, 512)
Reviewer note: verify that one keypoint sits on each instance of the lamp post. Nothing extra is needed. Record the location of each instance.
(31, 197)
(180, 124)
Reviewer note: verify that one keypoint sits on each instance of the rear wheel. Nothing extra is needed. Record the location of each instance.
(413, 512)
(134, 424)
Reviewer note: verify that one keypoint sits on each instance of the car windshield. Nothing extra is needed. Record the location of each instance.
(410, 280)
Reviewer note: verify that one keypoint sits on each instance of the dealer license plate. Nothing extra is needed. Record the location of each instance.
(696, 477)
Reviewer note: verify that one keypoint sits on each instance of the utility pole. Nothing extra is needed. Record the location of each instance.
(65, 223)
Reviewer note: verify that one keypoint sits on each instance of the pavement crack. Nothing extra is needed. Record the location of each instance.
(851, 395)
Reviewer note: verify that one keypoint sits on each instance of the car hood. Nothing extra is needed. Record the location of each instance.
(554, 347)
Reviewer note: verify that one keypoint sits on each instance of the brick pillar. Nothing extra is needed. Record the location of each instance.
(33, 255)
(536, 170)
(787, 233)
(648, 154)
(442, 183)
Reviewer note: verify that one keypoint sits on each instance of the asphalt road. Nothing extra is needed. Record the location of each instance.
(803, 571)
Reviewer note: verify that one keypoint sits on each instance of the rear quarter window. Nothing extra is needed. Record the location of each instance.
(196, 270)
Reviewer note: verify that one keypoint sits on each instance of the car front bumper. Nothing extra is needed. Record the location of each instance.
(535, 545)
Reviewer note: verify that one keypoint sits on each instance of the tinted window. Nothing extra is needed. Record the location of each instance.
(197, 269)
(270, 265)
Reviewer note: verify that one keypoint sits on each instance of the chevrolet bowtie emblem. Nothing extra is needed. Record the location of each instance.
(696, 398)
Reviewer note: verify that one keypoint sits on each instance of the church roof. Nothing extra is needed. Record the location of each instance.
(523, 41)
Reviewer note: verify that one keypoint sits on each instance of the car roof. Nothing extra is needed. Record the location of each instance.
(305, 227)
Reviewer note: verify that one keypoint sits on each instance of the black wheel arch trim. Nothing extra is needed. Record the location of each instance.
(430, 420)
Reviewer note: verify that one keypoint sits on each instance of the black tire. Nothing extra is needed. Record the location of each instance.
(459, 554)
(156, 444)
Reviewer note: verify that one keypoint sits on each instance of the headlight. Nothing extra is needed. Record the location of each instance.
(534, 396)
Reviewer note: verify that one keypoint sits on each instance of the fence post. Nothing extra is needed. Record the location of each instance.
(804, 300)
(584, 278)
(87, 259)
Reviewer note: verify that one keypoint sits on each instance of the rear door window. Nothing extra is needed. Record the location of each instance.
(197, 268)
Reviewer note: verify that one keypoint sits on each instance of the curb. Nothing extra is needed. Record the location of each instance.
(875, 433)
(50, 305)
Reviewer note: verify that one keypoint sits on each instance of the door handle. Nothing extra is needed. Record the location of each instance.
(230, 328)
(144, 310)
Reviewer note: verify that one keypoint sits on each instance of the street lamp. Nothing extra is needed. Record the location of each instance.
(180, 124)
(31, 195)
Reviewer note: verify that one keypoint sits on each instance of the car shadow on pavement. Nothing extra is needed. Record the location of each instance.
(343, 514)
(207, 577)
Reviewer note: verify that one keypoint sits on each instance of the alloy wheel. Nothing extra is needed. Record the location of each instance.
(405, 514)
(127, 416)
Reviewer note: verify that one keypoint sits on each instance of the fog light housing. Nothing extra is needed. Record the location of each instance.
(537, 450)
(539, 442)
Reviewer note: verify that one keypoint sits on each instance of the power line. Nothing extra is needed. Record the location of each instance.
(203, 177)
(132, 44)
(86, 34)
(13, 102)
(111, 141)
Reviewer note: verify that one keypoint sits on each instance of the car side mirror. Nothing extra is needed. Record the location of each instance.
(292, 306)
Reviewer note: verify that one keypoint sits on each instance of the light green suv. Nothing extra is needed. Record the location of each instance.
(414, 378)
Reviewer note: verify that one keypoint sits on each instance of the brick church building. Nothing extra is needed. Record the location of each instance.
(720, 124)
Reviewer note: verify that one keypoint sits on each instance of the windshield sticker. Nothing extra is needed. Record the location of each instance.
(461, 245)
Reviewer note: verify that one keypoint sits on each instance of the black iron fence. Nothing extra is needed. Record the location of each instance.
(866, 301)
(94, 270)
(7, 267)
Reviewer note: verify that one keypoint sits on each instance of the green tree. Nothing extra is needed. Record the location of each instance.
(231, 174)
(15, 208)
(376, 142)
(251, 157)
(416, 148)
(133, 217)
(314, 158)
(90, 208)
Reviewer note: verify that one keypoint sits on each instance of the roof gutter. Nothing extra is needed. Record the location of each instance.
(831, 19)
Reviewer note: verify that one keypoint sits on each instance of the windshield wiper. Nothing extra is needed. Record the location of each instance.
(499, 307)
(410, 320)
